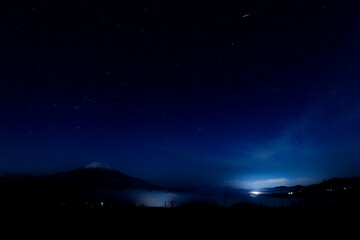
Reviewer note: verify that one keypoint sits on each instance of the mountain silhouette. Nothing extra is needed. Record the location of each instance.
(94, 186)
(98, 177)
(336, 185)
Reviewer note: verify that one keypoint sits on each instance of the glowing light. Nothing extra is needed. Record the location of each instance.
(255, 193)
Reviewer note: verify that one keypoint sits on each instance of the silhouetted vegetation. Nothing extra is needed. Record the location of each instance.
(200, 205)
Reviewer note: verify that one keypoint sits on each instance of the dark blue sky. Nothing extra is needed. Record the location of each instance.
(250, 94)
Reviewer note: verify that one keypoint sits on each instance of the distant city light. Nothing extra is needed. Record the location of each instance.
(255, 192)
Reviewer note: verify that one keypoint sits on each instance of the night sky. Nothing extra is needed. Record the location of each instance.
(237, 94)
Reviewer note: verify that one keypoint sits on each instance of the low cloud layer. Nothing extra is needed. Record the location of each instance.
(271, 182)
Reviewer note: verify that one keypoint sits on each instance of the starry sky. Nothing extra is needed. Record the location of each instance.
(240, 94)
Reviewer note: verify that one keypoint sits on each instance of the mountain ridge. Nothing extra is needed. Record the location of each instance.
(99, 178)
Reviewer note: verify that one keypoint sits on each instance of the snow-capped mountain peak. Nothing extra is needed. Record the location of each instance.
(98, 165)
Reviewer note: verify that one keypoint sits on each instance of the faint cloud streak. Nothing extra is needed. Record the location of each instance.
(271, 182)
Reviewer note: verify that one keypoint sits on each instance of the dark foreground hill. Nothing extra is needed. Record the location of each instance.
(338, 191)
(335, 187)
